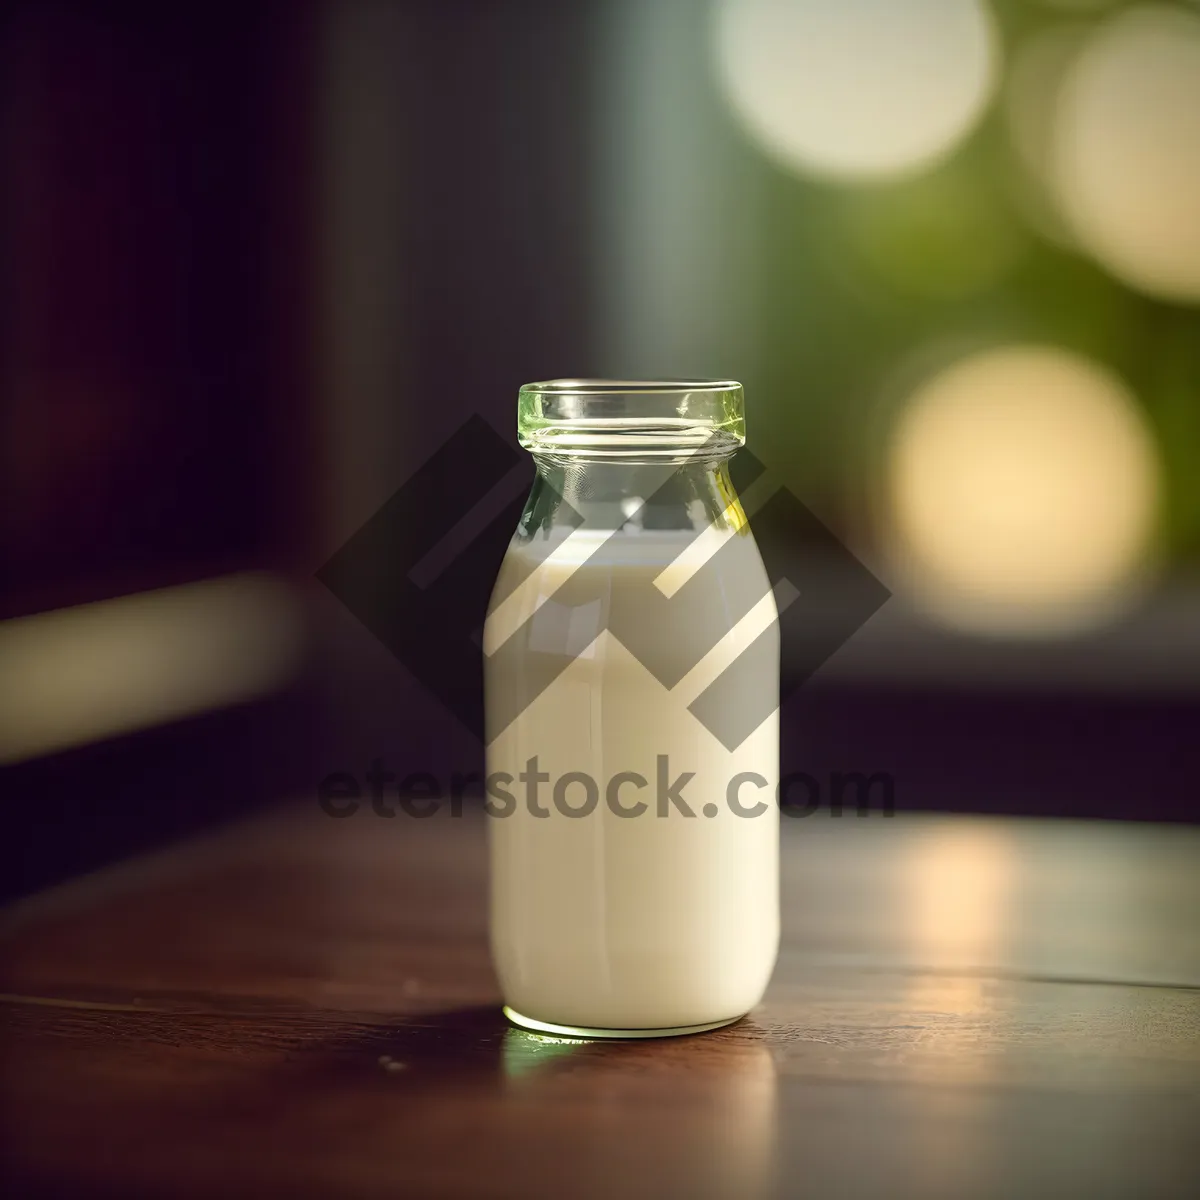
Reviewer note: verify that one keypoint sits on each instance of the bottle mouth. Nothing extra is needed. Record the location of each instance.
(643, 418)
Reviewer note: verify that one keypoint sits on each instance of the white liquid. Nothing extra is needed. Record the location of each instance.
(639, 922)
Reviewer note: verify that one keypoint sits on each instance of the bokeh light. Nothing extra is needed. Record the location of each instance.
(874, 89)
(1022, 492)
(1126, 150)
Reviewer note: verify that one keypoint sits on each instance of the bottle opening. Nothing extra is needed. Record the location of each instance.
(611, 418)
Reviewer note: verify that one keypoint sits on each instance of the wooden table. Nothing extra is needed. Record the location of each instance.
(304, 1006)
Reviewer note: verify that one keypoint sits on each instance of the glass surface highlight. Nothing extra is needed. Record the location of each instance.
(578, 1031)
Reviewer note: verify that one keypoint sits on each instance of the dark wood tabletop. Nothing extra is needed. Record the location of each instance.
(304, 1006)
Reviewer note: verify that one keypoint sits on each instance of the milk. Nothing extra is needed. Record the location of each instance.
(605, 920)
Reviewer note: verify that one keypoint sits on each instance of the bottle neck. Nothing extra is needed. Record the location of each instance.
(692, 493)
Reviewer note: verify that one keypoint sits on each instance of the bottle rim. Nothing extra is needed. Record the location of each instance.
(632, 417)
(601, 387)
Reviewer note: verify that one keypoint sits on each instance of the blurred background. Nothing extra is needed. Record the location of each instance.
(259, 262)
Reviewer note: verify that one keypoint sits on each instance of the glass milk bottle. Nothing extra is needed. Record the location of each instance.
(632, 680)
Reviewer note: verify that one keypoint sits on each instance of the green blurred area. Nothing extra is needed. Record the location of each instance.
(861, 290)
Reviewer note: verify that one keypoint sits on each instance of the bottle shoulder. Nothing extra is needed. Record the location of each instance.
(659, 581)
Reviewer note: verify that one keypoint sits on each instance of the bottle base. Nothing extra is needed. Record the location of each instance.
(586, 1032)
